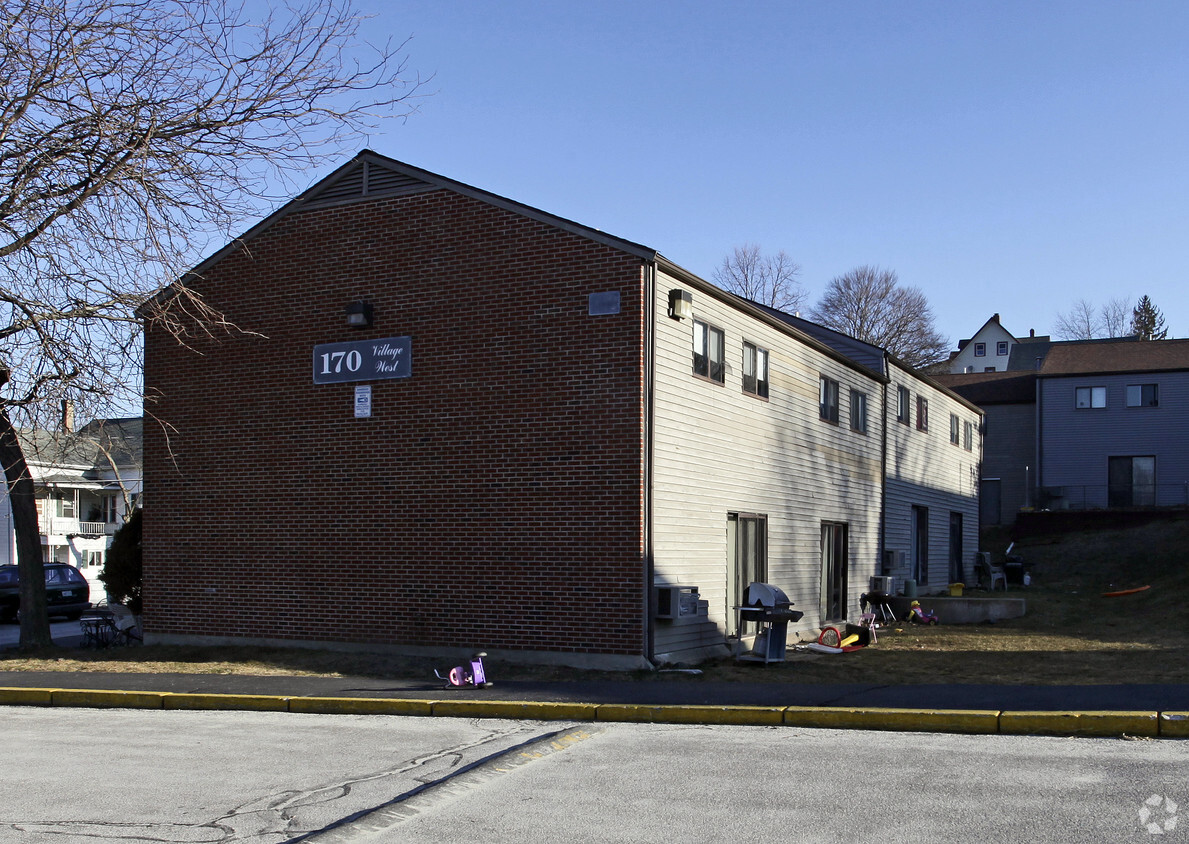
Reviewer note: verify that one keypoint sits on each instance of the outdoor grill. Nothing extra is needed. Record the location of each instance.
(770, 608)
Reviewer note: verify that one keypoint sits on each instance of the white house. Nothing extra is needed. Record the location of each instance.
(989, 350)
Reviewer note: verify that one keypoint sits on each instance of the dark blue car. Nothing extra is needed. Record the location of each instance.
(66, 591)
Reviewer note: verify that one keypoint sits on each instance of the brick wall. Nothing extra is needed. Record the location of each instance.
(494, 499)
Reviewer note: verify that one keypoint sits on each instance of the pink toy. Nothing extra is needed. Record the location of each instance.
(471, 674)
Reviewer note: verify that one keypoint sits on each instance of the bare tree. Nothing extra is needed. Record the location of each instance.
(1080, 322)
(1084, 321)
(768, 279)
(869, 304)
(134, 134)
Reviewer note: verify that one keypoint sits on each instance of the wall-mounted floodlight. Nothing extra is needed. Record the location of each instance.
(359, 315)
(681, 304)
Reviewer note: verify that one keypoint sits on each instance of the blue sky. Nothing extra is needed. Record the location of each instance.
(1006, 157)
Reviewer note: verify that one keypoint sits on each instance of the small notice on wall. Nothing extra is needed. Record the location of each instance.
(363, 401)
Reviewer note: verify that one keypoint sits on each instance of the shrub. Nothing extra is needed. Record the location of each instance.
(122, 571)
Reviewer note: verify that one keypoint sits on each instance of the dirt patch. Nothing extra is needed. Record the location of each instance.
(1070, 634)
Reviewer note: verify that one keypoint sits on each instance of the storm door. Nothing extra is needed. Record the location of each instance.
(834, 570)
(747, 562)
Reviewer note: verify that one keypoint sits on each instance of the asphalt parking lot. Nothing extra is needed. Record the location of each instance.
(64, 633)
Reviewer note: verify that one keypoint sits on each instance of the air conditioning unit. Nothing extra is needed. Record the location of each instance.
(676, 601)
(885, 585)
(892, 560)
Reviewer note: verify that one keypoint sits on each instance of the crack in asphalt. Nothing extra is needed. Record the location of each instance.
(270, 818)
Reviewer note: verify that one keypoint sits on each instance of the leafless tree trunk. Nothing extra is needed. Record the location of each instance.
(134, 136)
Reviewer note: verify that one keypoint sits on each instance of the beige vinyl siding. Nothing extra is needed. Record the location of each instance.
(925, 469)
(718, 450)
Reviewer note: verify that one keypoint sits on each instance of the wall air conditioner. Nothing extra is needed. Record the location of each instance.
(892, 561)
(885, 585)
(676, 601)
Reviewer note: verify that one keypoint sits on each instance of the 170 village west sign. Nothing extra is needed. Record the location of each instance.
(363, 360)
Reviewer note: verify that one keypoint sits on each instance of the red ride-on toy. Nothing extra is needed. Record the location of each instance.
(916, 615)
(471, 674)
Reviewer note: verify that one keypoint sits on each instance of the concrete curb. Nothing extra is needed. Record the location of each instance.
(989, 721)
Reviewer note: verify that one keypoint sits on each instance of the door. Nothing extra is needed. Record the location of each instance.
(956, 573)
(920, 544)
(989, 498)
(835, 557)
(747, 562)
(1132, 481)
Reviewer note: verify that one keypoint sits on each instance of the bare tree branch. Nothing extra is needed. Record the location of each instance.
(869, 304)
(771, 280)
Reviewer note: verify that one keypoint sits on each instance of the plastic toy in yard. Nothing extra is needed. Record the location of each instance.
(916, 615)
(471, 674)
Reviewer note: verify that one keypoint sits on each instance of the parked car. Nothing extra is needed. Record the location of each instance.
(66, 591)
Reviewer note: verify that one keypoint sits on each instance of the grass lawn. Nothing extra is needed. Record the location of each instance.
(1071, 634)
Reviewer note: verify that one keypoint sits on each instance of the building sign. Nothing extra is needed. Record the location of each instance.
(363, 360)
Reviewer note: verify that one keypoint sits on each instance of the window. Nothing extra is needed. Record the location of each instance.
(858, 411)
(902, 405)
(922, 413)
(988, 369)
(980, 350)
(708, 351)
(828, 399)
(1090, 397)
(1001, 347)
(755, 370)
(1132, 481)
(1142, 395)
(968, 436)
(954, 428)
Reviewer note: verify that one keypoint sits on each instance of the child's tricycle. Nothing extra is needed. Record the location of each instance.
(471, 674)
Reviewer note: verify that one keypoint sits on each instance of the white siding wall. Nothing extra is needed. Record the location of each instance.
(924, 469)
(991, 335)
(719, 450)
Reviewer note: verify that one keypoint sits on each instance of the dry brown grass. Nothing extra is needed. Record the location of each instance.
(1071, 634)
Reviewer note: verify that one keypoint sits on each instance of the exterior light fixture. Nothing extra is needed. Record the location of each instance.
(681, 304)
(359, 315)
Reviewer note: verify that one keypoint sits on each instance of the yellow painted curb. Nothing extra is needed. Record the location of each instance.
(1174, 724)
(888, 718)
(107, 698)
(540, 711)
(26, 697)
(691, 714)
(1079, 723)
(360, 706)
(249, 703)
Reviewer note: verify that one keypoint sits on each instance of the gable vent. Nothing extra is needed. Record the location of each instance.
(366, 181)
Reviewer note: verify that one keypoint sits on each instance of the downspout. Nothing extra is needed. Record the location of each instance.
(883, 469)
(649, 415)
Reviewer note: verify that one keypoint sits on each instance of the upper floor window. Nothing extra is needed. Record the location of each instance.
(708, 351)
(1001, 347)
(954, 428)
(755, 370)
(968, 436)
(1090, 397)
(828, 399)
(922, 413)
(903, 405)
(858, 411)
(1143, 395)
(980, 350)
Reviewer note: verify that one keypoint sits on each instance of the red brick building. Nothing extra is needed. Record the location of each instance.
(500, 494)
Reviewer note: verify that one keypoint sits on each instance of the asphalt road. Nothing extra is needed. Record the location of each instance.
(174, 776)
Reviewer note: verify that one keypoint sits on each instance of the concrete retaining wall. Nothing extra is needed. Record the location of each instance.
(963, 610)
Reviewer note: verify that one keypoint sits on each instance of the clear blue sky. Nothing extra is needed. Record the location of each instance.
(1006, 157)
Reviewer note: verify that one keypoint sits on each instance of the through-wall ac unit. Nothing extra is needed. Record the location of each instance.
(893, 560)
(676, 601)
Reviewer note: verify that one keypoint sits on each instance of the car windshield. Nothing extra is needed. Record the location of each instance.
(8, 576)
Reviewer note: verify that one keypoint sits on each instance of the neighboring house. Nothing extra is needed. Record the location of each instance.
(453, 420)
(989, 350)
(85, 482)
(1093, 424)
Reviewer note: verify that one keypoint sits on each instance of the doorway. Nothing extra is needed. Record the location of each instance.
(920, 544)
(747, 562)
(956, 573)
(834, 571)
